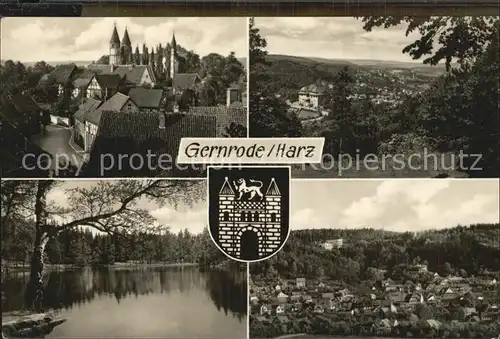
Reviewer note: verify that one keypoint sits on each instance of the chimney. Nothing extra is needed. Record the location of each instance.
(161, 118)
(232, 95)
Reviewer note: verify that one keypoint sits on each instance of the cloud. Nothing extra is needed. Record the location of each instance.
(86, 39)
(177, 220)
(334, 37)
(413, 205)
(58, 197)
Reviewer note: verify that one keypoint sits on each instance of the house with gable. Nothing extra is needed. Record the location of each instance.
(87, 120)
(313, 96)
(85, 85)
(148, 100)
(265, 309)
(109, 85)
(25, 112)
(62, 76)
(152, 136)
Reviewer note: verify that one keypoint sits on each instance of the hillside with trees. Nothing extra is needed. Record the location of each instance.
(432, 284)
(473, 250)
(376, 111)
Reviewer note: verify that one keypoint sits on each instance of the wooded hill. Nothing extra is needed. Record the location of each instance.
(474, 250)
(287, 74)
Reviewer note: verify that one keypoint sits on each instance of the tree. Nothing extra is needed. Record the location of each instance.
(137, 56)
(152, 60)
(447, 269)
(269, 116)
(460, 109)
(145, 55)
(109, 207)
(235, 130)
(103, 60)
(464, 39)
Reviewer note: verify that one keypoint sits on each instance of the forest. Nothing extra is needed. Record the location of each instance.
(457, 113)
(366, 264)
(466, 250)
(102, 224)
(83, 247)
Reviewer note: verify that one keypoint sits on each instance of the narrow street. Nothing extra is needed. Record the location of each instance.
(55, 141)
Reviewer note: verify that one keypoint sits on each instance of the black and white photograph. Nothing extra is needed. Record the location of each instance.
(406, 97)
(115, 259)
(384, 258)
(112, 97)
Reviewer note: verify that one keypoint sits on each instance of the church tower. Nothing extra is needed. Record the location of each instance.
(174, 63)
(114, 48)
(126, 48)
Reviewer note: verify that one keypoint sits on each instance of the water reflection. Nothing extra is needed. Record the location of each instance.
(173, 295)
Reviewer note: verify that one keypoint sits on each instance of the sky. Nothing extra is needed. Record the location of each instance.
(393, 205)
(87, 39)
(194, 218)
(333, 38)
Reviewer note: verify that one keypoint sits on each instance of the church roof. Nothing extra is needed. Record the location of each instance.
(126, 39)
(132, 73)
(224, 115)
(273, 189)
(174, 43)
(131, 133)
(226, 188)
(115, 39)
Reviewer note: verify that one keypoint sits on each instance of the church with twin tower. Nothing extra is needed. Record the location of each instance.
(121, 53)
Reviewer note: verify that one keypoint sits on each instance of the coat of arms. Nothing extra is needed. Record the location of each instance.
(249, 210)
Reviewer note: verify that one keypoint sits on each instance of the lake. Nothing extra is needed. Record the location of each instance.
(168, 302)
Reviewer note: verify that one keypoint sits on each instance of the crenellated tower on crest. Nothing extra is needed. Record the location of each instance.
(243, 219)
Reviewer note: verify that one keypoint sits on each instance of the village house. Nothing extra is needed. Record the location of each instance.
(182, 82)
(109, 85)
(151, 135)
(331, 244)
(313, 96)
(300, 282)
(23, 110)
(148, 100)
(62, 76)
(87, 119)
(85, 85)
(265, 310)
(133, 75)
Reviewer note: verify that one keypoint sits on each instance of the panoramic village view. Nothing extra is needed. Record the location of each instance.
(375, 88)
(420, 261)
(145, 86)
(102, 259)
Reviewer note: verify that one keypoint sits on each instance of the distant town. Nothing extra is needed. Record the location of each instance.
(130, 100)
(405, 300)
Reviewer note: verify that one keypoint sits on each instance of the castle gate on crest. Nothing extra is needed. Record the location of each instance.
(260, 217)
